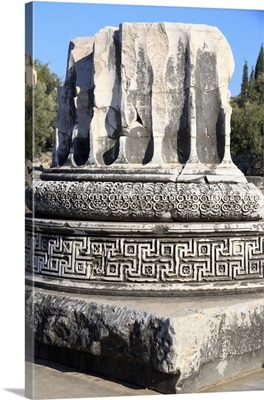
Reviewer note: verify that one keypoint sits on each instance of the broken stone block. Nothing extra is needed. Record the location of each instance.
(167, 82)
(76, 103)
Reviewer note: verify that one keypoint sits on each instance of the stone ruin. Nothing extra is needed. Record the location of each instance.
(144, 130)
(142, 198)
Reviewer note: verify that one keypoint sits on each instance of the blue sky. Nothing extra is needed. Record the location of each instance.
(56, 23)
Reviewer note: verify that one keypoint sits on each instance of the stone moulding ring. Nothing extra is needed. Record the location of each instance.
(146, 201)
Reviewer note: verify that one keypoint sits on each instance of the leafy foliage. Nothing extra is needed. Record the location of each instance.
(244, 85)
(51, 80)
(260, 63)
(40, 111)
(247, 122)
(247, 129)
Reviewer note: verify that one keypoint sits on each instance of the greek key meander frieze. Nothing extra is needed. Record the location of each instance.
(145, 260)
(137, 200)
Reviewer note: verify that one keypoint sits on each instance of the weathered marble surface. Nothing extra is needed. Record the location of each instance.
(144, 130)
(139, 201)
(75, 104)
(147, 259)
(154, 93)
(143, 135)
(194, 343)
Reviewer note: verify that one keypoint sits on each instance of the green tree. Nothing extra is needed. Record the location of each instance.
(45, 109)
(259, 69)
(40, 111)
(247, 122)
(44, 74)
(247, 129)
(251, 84)
(244, 85)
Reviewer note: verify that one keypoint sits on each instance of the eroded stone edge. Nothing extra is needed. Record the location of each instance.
(187, 344)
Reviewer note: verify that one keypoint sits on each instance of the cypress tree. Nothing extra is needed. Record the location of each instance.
(247, 128)
(252, 74)
(244, 85)
(251, 85)
(259, 69)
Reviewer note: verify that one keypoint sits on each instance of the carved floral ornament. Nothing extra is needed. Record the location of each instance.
(146, 201)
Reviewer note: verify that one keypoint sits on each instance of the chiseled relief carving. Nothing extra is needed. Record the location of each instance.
(143, 139)
(149, 200)
(136, 259)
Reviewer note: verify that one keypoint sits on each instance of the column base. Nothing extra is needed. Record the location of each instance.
(149, 259)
